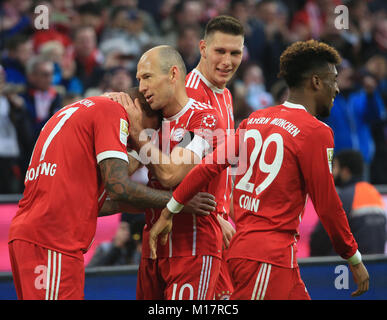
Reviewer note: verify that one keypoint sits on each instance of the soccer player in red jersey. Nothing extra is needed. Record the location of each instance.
(286, 153)
(79, 159)
(221, 52)
(188, 266)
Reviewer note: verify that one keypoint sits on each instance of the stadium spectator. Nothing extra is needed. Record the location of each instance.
(267, 210)
(354, 112)
(43, 35)
(64, 67)
(124, 38)
(274, 16)
(119, 79)
(19, 51)
(252, 88)
(15, 19)
(362, 203)
(134, 8)
(254, 32)
(187, 45)
(125, 248)
(15, 137)
(377, 67)
(40, 97)
(183, 13)
(87, 56)
(309, 21)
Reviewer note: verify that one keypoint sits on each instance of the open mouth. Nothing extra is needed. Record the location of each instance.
(149, 98)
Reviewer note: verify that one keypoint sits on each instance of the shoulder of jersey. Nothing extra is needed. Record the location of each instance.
(199, 106)
(193, 80)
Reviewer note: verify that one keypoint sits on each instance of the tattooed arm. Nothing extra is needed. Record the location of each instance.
(126, 195)
(119, 187)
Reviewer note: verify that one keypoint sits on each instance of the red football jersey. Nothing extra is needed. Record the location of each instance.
(63, 186)
(285, 154)
(191, 234)
(200, 89)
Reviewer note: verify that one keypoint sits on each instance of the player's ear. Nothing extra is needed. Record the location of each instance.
(202, 48)
(174, 73)
(316, 82)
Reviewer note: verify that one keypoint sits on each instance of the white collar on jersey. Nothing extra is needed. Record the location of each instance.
(208, 83)
(181, 112)
(293, 105)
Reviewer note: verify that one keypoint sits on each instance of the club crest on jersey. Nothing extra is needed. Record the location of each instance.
(330, 158)
(209, 121)
(178, 134)
(124, 131)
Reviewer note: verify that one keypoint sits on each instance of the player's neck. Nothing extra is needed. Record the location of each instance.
(176, 105)
(300, 97)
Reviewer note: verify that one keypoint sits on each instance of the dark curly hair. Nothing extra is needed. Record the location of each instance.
(303, 57)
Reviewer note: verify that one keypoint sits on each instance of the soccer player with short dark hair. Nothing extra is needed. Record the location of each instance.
(221, 52)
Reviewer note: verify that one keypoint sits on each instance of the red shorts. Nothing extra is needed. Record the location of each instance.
(254, 280)
(224, 287)
(178, 278)
(43, 274)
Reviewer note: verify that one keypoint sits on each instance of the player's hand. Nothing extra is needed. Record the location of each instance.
(122, 98)
(227, 230)
(132, 108)
(162, 228)
(201, 204)
(361, 278)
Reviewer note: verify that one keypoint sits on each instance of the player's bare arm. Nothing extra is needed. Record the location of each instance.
(171, 169)
(129, 196)
(134, 162)
(201, 204)
(119, 187)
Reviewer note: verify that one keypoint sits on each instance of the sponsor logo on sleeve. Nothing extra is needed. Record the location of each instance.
(330, 158)
(124, 131)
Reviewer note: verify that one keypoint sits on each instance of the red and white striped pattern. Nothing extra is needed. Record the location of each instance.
(54, 265)
(261, 282)
(193, 80)
(205, 277)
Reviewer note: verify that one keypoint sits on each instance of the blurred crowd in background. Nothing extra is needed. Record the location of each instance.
(93, 46)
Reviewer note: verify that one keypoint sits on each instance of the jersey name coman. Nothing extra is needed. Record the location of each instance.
(200, 89)
(63, 186)
(286, 154)
(191, 234)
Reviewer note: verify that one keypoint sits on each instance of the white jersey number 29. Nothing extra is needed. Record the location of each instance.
(272, 169)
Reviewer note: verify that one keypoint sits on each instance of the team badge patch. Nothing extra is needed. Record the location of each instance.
(209, 121)
(124, 131)
(330, 158)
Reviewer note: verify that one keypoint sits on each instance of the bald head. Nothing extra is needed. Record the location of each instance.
(167, 57)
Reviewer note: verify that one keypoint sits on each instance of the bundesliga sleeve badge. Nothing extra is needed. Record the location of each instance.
(330, 158)
(124, 131)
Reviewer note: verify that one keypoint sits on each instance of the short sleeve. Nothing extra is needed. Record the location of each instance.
(111, 130)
